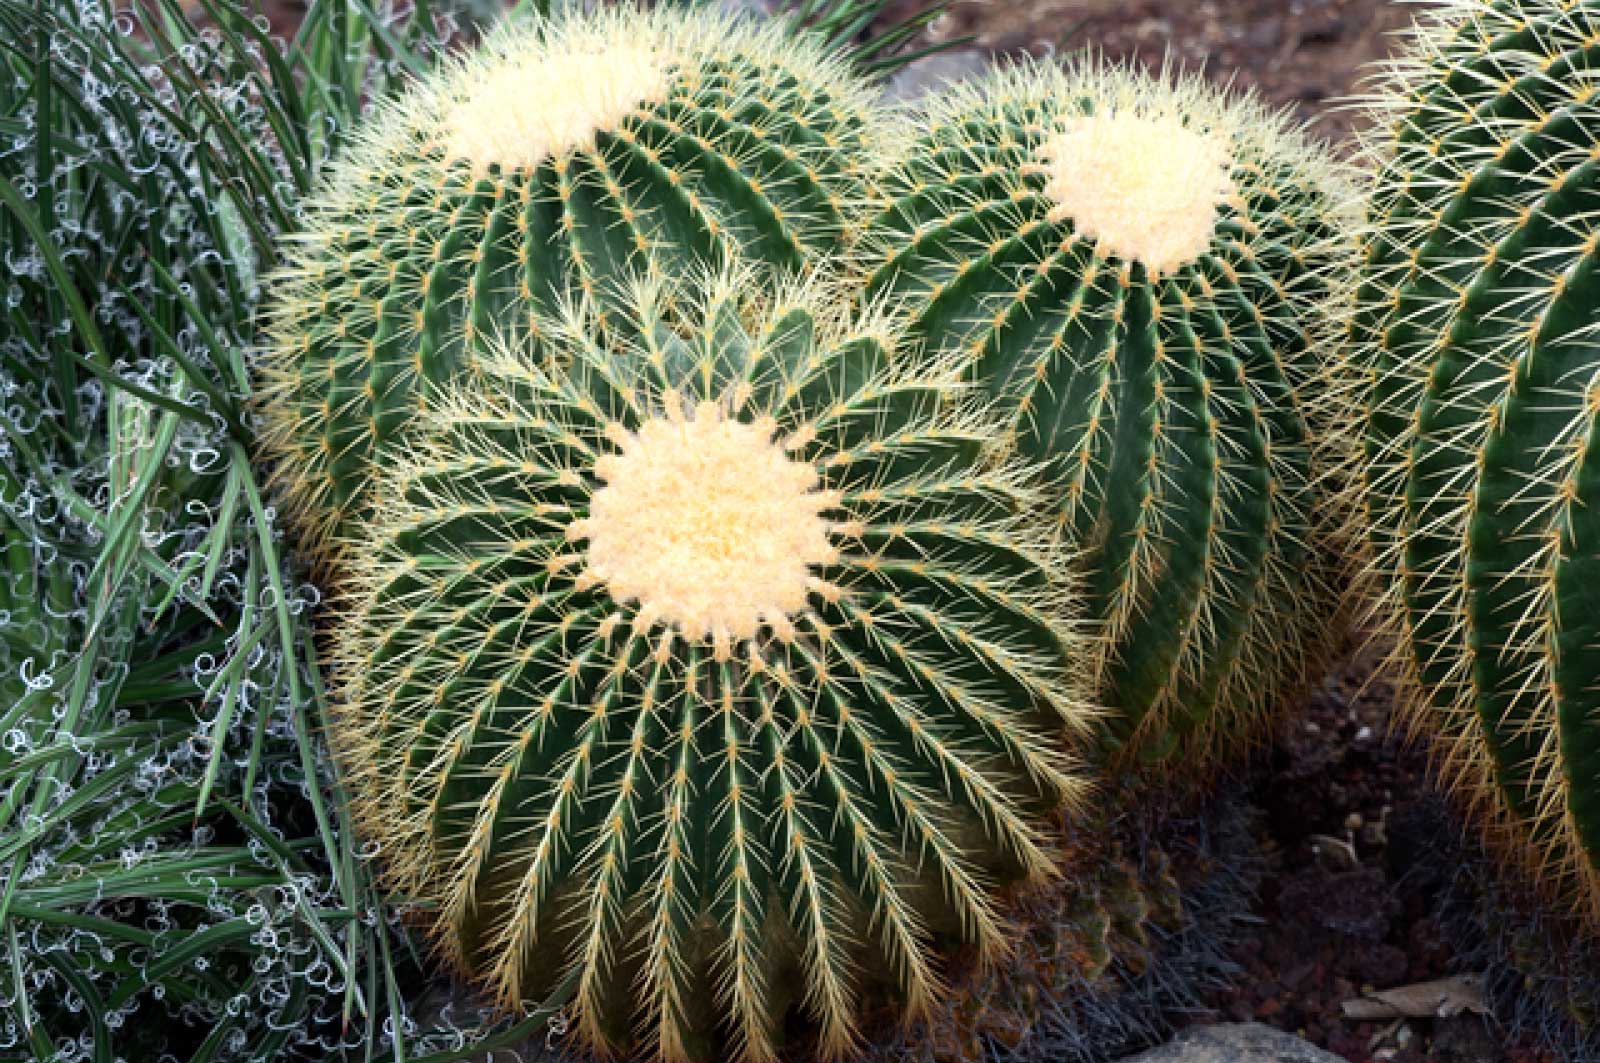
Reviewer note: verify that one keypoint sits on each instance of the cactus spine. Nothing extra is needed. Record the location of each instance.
(558, 156)
(718, 666)
(1140, 271)
(1475, 335)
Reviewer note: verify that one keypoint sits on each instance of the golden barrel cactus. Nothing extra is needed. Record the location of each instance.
(722, 669)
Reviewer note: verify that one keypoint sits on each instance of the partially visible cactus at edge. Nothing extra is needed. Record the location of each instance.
(557, 157)
(721, 669)
(1474, 342)
(1146, 274)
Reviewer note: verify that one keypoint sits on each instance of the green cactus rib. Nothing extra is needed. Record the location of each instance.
(580, 760)
(554, 159)
(1474, 334)
(1178, 391)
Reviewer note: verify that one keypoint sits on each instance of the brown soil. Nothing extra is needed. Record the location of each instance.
(1310, 55)
(1340, 915)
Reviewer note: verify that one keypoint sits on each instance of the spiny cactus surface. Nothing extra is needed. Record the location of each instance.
(1140, 271)
(1476, 331)
(1140, 924)
(718, 669)
(559, 155)
(1071, 941)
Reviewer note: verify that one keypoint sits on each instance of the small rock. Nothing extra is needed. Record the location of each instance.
(1159, 29)
(758, 8)
(1237, 1043)
(932, 72)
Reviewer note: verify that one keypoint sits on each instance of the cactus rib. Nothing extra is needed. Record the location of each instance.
(1473, 339)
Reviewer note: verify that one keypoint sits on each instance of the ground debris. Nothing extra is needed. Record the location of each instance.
(1440, 998)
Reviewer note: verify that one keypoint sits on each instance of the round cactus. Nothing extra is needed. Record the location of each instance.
(556, 157)
(1141, 273)
(1475, 328)
(716, 669)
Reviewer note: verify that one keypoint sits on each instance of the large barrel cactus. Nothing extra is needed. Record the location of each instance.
(719, 668)
(555, 158)
(1476, 330)
(1144, 273)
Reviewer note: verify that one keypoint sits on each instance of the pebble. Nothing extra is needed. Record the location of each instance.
(1247, 1042)
(933, 72)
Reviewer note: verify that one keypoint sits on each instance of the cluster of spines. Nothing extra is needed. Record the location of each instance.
(750, 147)
(576, 785)
(1472, 342)
(1177, 404)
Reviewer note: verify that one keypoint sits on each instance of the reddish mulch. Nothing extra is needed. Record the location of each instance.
(1305, 54)
(1340, 916)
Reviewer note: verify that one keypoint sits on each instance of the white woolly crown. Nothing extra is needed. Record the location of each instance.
(545, 102)
(1144, 187)
(707, 523)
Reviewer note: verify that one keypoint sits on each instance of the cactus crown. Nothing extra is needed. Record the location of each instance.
(707, 523)
(462, 208)
(1474, 335)
(1141, 270)
(583, 86)
(722, 656)
(1143, 187)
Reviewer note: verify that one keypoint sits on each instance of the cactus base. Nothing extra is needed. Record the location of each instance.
(1142, 926)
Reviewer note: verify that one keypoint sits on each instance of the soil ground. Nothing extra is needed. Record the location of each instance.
(1309, 55)
(1340, 914)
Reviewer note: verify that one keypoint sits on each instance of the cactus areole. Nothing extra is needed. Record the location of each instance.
(721, 668)
(1140, 270)
(555, 160)
(1476, 330)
